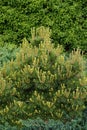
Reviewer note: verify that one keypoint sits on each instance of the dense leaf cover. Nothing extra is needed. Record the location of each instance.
(67, 19)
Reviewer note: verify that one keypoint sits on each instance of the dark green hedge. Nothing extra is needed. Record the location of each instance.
(67, 19)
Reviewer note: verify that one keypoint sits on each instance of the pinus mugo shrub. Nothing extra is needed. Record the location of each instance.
(42, 82)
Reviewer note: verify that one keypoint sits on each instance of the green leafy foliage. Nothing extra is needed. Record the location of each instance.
(42, 82)
(67, 19)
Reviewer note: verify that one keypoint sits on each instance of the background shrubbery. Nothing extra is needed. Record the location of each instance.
(67, 19)
(42, 81)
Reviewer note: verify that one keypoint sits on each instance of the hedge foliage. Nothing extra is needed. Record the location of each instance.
(67, 19)
(42, 82)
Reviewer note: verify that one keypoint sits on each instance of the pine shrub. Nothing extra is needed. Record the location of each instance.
(42, 82)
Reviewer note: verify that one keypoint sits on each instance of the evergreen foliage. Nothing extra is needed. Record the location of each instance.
(7, 52)
(39, 124)
(42, 82)
(67, 19)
